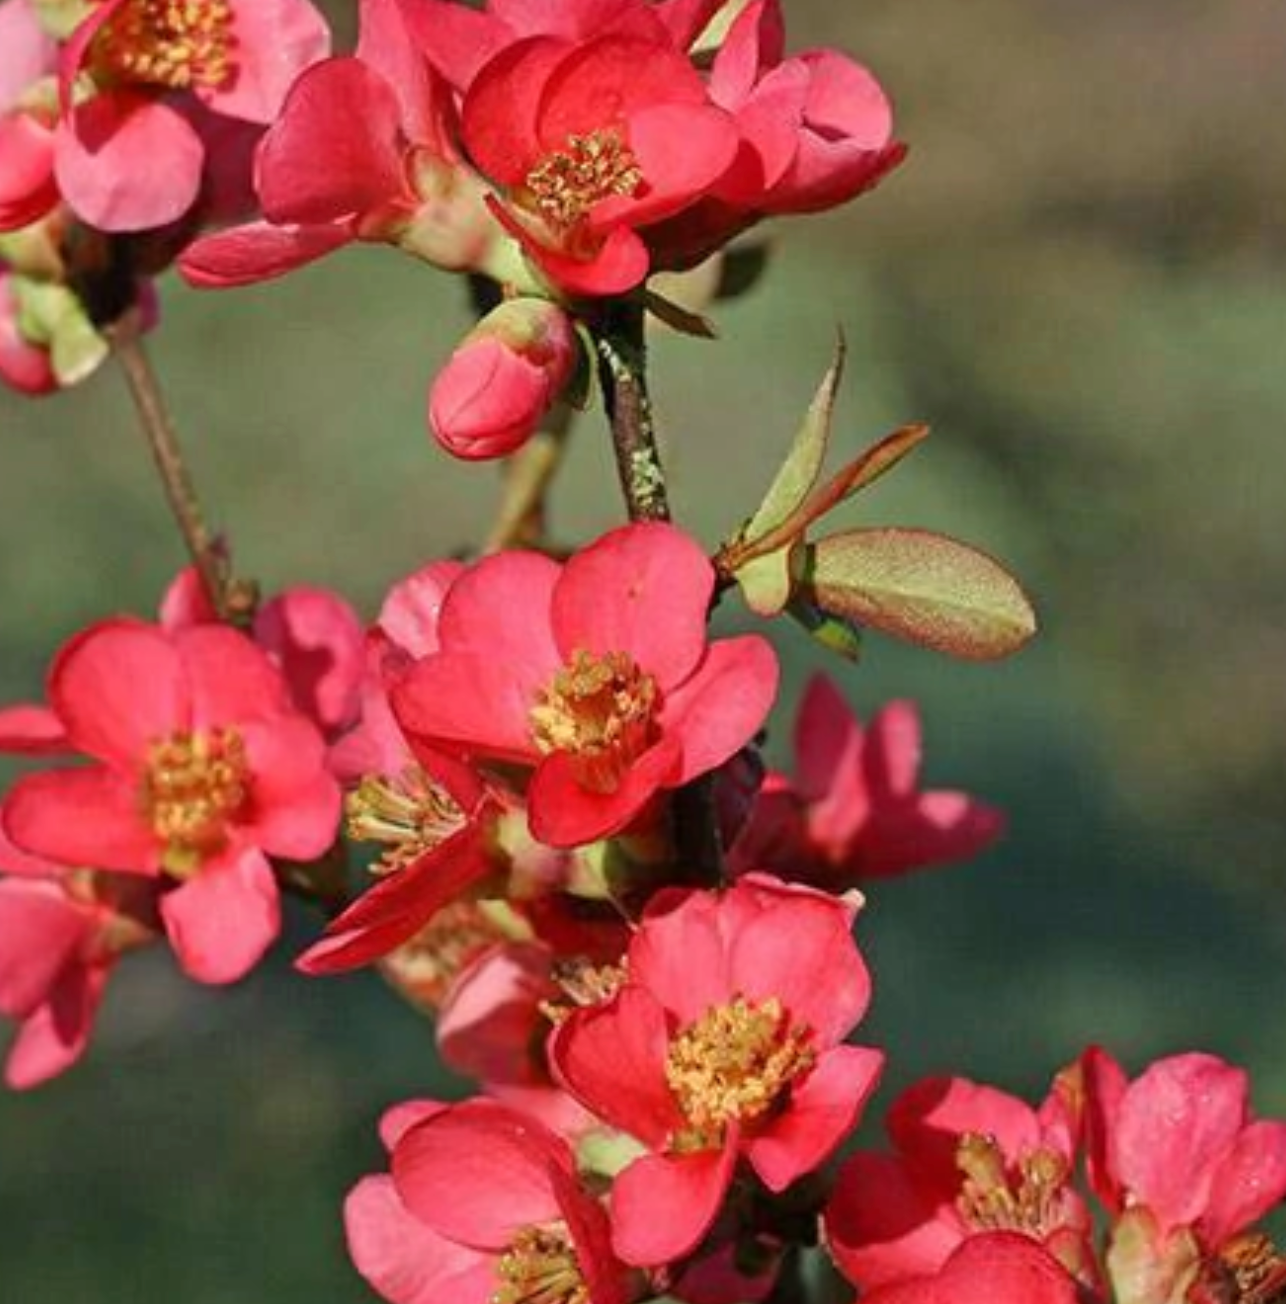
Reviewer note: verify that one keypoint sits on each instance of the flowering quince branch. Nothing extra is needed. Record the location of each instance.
(637, 939)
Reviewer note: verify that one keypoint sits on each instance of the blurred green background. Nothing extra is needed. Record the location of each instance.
(1078, 279)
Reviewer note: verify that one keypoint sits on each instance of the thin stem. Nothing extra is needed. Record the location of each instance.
(622, 373)
(521, 519)
(162, 438)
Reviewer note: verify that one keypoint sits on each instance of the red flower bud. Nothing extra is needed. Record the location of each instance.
(490, 397)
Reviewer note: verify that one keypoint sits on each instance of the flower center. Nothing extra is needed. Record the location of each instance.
(540, 1267)
(734, 1064)
(194, 785)
(568, 182)
(1248, 1270)
(176, 44)
(601, 711)
(991, 1199)
(408, 813)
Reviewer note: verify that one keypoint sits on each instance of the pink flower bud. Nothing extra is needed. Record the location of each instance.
(24, 366)
(490, 397)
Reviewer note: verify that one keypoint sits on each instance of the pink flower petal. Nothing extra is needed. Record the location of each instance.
(643, 590)
(827, 738)
(800, 951)
(385, 45)
(231, 680)
(222, 920)
(563, 813)
(316, 640)
(618, 265)
(411, 611)
(336, 151)
(127, 162)
(882, 1225)
(258, 251)
(399, 905)
(397, 1120)
(15, 861)
(612, 1059)
(722, 706)
(117, 687)
(296, 801)
(687, 19)
(662, 1205)
(275, 41)
(672, 178)
(928, 1119)
(40, 930)
(823, 1110)
(499, 117)
(1249, 1182)
(1177, 1121)
(456, 40)
(89, 817)
(479, 1173)
(31, 730)
(27, 186)
(404, 1260)
(501, 608)
(56, 1035)
(29, 51)
(755, 43)
(472, 703)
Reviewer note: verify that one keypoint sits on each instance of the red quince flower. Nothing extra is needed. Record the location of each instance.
(723, 1044)
(59, 940)
(363, 150)
(998, 1268)
(505, 375)
(1184, 1170)
(597, 673)
(144, 83)
(969, 1159)
(201, 770)
(481, 1201)
(855, 811)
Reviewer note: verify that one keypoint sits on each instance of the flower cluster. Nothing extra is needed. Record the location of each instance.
(637, 940)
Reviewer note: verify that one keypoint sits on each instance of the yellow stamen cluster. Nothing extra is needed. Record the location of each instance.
(566, 184)
(601, 710)
(408, 813)
(540, 1267)
(735, 1064)
(194, 785)
(1030, 1201)
(582, 984)
(176, 44)
(1249, 1270)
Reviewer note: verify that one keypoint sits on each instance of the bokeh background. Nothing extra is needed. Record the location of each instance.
(1078, 279)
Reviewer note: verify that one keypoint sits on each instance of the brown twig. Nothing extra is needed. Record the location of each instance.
(162, 438)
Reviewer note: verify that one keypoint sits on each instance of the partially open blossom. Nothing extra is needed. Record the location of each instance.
(996, 1268)
(148, 88)
(597, 673)
(492, 394)
(968, 1159)
(854, 809)
(1186, 1171)
(722, 1045)
(482, 1205)
(59, 939)
(202, 769)
(362, 150)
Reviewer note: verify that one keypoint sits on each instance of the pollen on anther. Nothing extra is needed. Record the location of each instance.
(568, 182)
(174, 44)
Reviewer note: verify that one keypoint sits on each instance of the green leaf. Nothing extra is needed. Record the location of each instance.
(862, 471)
(766, 582)
(803, 464)
(922, 587)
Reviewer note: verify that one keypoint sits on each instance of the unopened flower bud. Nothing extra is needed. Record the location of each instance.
(507, 373)
(24, 366)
